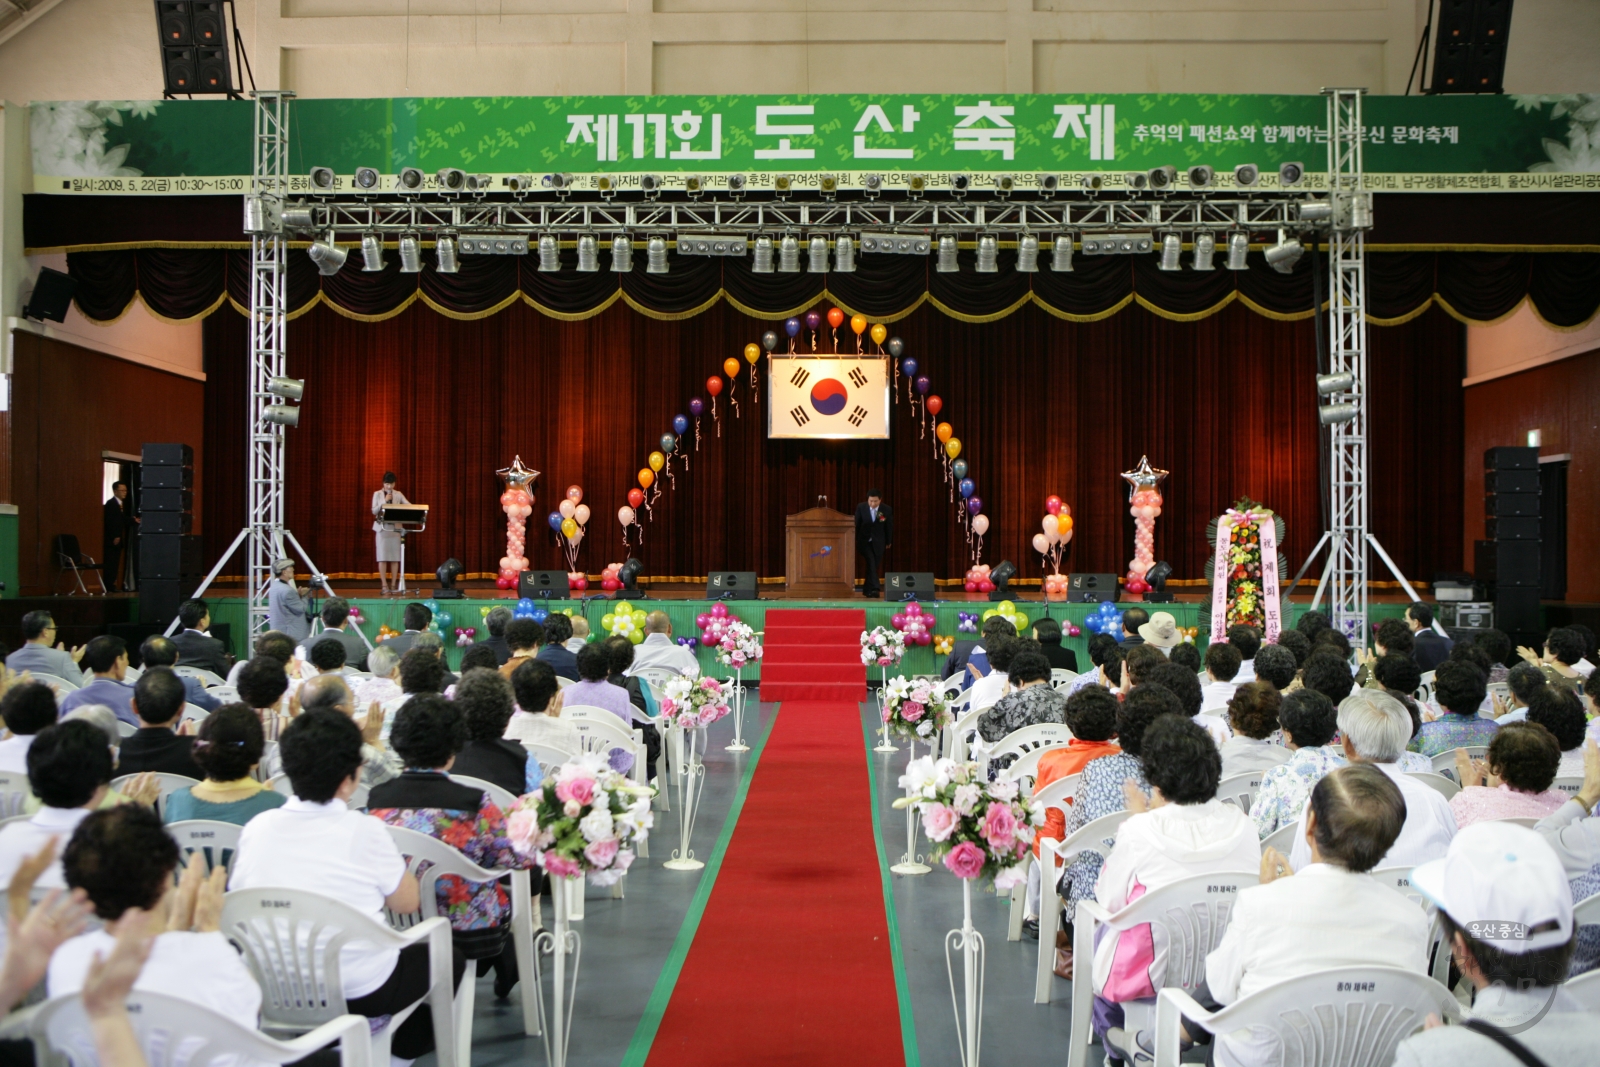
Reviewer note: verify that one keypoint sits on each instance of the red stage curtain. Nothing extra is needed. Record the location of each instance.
(1043, 406)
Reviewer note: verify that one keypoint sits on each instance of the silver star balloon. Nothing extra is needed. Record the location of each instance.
(1143, 476)
(517, 476)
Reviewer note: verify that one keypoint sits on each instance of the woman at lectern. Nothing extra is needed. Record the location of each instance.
(388, 535)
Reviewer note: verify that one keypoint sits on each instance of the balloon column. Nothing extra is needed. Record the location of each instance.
(977, 579)
(1105, 619)
(1052, 543)
(1144, 499)
(917, 627)
(517, 503)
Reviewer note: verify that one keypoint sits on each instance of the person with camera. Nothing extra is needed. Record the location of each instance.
(286, 606)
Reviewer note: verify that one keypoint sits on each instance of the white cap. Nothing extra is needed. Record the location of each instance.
(1498, 882)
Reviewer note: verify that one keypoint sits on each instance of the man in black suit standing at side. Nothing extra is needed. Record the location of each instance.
(118, 525)
(874, 534)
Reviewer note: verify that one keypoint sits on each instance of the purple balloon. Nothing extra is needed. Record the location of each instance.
(696, 406)
(923, 385)
(909, 365)
(792, 326)
(813, 320)
(975, 505)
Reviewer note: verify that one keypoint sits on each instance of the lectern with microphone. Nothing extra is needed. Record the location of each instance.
(409, 518)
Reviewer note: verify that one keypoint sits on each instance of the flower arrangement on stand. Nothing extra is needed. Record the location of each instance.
(739, 647)
(886, 647)
(584, 820)
(688, 706)
(979, 830)
(915, 711)
(1244, 570)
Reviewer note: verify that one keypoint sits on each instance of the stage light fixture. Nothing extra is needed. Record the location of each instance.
(817, 255)
(844, 254)
(1061, 258)
(916, 185)
(299, 218)
(255, 214)
(1092, 182)
(323, 180)
(1112, 244)
(559, 182)
(328, 256)
(1291, 173)
(410, 254)
(1049, 183)
(1315, 210)
(783, 185)
(789, 255)
(761, 258)
(829, 184)
(479, 183)
(493, 246)
(549, 254)
(281, 415)
(371, 253)
(1171, 251)
(1328, 384)
(1285, 254)
(712, 244)
(1201, 177)
(1336, 414)
(287, 388)
(736, 184)
(448, 572)
(872, 184)
(628, 575)
(520, 183)
(1238, 250)
(1157, 577)
(899, 243)
(444, 251)
(656, 255)
(948, 248)
(621, 254)
(1162, 178)
(1136, 180)
(1001, 576)
(588, 253)
(960, 183)
(693, 185)
(607, 187)
(411, 180)
(366, 179)
(1004, 185)
(1246, 174)
(650, 185)
(1205, 250)
(1028, 253)
(451, 179)
(988, 253)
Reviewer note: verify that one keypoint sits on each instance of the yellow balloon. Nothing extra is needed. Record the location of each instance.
(752, 352)
(879, 332)
(647, 477)
(569, 526)
(1063, 523)
(952, 447)
(657, 461)
(944, 431)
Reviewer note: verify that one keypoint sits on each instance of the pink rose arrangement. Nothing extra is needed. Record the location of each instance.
(916, 711)
(977, 828)
(739, 646)
(585, 818)
(883, 646)
(693, 702)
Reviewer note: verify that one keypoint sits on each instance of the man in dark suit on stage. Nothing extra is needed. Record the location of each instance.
(117, 527)
(874, 534)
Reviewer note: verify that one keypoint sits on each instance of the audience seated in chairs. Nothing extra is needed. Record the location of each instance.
(1297, 643)
(1374, 727)
(27, 708)
(1308, 723)
(1411, 762)
(261, 685)
(475, 657)
(1047, 632)
(422, 673)
(1100, 647)
(330, 692)
(107, 657)
(1458, 688)
(1327, 670)
(1184, 654)
(196, 646)
(158, 651)
(384, 685)
(337, 625)
(1137, 660)
(1576, 840)
(274, 645)
(157, 702)
(1560, 711)
(557, 631)
(124, 860)
(1514, 781)
(316, 844)
(1032, 701)
(1276, 666)
(494, 624)
(428, 733)
(658, 649)
(325, 656)
(1498, 874)
(523, 638)
(414, 621)
(999, 651)
(1222, 668)
(537, 718)
(38, 656)
(594, 667)
(619, 659)
(228, 748)
(1332, 913)
(1523, 680)
(1253, 718)
(1247, 639)
(1563, 650)
(487, 704)
(1181, 830)
(1185, 685)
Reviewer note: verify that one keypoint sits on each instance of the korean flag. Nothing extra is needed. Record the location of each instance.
(828, 397)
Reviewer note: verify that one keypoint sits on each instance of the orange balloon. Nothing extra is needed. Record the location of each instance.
(752, 352)
(730, 367)
(943, 431)
(1063, 522)
(647, 477)
(859, 324)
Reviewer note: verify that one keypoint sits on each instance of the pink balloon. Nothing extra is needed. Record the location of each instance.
(980, 525)
(1041, 544)
(719, 610)
(566, 508)
(899, 622)
(581, 513)
(575, 493)
(971, 587)
(702, 620)
(986, 586)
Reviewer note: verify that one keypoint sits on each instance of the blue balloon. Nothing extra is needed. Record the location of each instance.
(521, 614)
(967, 487)
(1092, 624)
(909, 365)
(554, 520)
(793, 327)
(680, 424)
(668, 443)
(525, 604)
(539, 615)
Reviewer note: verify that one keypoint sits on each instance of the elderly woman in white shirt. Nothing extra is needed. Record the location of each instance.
(1560, 710)
(1253, 715)
(1180, 831)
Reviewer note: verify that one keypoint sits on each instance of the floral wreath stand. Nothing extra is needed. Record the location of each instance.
(691, 780)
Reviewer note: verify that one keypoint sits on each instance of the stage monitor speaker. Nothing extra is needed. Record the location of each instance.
(166, 478)
(1511, 458)
(1508, 562)
(547, 585)
(909, 585)
(163, 499)
(732, 585)
(168, 455)
(1512, 505)
(169, 557)
(1512, 529)
(1091, 588)
(52, 296)
(156, 523)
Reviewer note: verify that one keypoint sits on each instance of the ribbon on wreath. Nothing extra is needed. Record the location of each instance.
(1271, 606)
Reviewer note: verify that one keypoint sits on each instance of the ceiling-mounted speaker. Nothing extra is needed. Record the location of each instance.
(1470, 53)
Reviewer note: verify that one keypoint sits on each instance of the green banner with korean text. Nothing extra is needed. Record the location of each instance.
(1432, 144)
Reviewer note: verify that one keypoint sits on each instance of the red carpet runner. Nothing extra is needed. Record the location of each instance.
(813, 655)
(791, 964)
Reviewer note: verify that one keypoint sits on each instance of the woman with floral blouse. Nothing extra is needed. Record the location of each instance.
(1514, 782)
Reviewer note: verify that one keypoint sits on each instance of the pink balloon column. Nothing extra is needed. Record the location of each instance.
(609, 578)
(517, 503)
(917, 626)
(1144, 500)
(977, 579)
(713, 624)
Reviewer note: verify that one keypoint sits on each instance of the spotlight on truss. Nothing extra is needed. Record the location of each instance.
(1246, 174)
(1028, 253)
(1285, 254)
(444, 251)
(988, 253)
(366, 179)
(1238, 250)
(371, 252)
(588, 253)
(1205, 250)
(844, 254)
(948, 247)
(410, 254)
(621, 254)
(1061, 257)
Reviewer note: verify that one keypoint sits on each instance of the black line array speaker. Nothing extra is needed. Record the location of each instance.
(194, 47)
(1470, 53)
(171, 558)
(1508, 561)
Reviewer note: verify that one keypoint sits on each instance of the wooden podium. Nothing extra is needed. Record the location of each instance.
(822, 554)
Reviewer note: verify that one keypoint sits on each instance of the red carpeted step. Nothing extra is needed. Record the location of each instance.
(813, 654)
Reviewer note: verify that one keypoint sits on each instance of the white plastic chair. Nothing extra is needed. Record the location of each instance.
(1445, 762)
(1569, 785)
(1399, 879)
(60, 685)
(655, 676)
(291, 939)
(503, 799)
(279, 783)
(1192, 912)
(1054, 856)
(1447, 787)
(200, 674)
(549, 756)
(428, 858)
(228, 694)
(961, 733)
(601, 731)
(126, 729)
(563, 682)
(1519, 820)
(1424, 691)
(1240, 789)
(1282, 838)
(1344, 1017)
(173, 1032)
(1061, 678)
(217, 841)
(1029, 741)
(14, 793)
(193, 713)
(1054, 795)
(165, 783)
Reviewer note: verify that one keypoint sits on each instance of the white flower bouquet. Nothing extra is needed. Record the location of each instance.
(739, 647)
(584, 819)
(883, 646)
(916, 711)
(979, 829)
(693, 702)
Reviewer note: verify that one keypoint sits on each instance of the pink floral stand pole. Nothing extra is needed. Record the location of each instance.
(910, 863)
(737, 682)
(691, 782)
